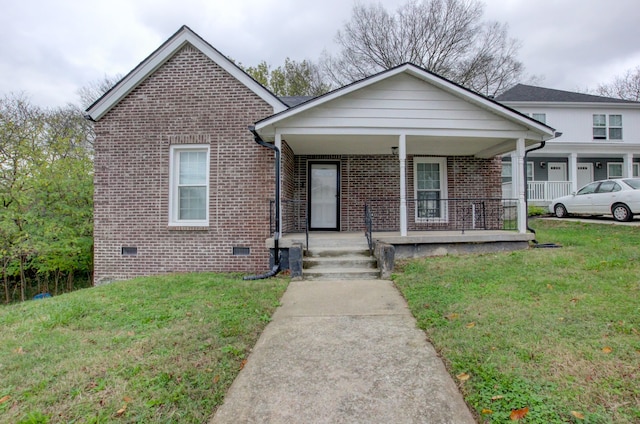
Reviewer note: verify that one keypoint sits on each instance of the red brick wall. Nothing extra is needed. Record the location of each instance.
(188, 100)
(366, 177)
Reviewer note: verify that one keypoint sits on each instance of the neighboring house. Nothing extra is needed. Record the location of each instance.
(180, 184)
(600, 139)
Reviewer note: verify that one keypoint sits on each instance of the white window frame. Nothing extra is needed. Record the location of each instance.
(605, 125)
(615, 127)
(444, 210)
(636, 170)
(540, 117)
(174, 172)
(531, 167)
(609, 176)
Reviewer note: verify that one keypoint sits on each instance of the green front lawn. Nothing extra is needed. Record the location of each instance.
(159, 349)
(556, 331)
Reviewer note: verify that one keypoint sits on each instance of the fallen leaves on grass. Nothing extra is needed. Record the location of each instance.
(243, 363)
(471, 325)
(487, 411)
(463, 376)
(578, 415)
(498, 397)
(518, 414)
(451, 317)
(4, 399)
(121, 411)
(19, 351)
(607, 349)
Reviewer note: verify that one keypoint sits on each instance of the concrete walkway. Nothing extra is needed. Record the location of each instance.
(343, 352)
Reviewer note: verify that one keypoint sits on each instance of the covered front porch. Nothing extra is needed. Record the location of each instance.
(403, 156)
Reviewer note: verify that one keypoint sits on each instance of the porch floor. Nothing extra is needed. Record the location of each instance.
(357, 239)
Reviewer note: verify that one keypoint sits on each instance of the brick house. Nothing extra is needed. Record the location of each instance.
(180, 184)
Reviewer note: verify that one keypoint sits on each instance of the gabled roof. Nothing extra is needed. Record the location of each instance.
(423, 74)
(165, 52)
(530, 93)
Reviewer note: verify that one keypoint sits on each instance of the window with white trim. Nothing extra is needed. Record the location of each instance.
(430, 185)
(189, 190)
(614, 170)
(530, 175)
(506, 172)
(636, 170)
(603, 132)
(540, 117)
(615, 127)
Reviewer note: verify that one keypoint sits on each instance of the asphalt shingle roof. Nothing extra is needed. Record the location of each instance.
(292, 101)
(530, 93)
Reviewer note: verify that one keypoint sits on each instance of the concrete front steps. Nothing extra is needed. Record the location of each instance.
(339, 263)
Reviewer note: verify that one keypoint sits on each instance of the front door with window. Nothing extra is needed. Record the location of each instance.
(324, 195)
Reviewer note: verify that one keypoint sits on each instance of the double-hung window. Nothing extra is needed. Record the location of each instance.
(603, 132)
(614, 170)
(615, 127)
(430, 182)
(540, 117)
(189, 191)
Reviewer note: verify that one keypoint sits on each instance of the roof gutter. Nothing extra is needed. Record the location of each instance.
(276, 235)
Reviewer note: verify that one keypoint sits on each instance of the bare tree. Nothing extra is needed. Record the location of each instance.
(447, 37)
(625, 87)
(95, 89)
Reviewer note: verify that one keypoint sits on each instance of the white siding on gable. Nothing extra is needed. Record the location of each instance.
(402, 101)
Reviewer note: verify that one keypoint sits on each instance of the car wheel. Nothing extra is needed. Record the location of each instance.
(621, 212)
(560, 210)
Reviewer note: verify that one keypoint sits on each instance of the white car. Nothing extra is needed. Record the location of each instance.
(620, 198)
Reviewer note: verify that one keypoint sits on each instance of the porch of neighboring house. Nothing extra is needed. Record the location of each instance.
(551, 175)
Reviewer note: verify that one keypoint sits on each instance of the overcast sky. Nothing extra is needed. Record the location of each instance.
(50, 48)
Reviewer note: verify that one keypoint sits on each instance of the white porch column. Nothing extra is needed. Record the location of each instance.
(573, 171)
(278, 144)
(627, 171)
(515, 176)
(402, 153)
(519, 171)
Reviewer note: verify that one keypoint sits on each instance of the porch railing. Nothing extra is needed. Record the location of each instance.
(293, 218)
(368, 226)
(541, 191)
(442, 214)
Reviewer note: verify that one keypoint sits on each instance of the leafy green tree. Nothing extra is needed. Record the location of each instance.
(291, 79)
(46, 193)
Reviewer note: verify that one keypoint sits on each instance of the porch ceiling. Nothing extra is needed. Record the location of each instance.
(381, 145)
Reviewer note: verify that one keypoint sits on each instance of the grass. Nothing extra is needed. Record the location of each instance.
(556, 331)
(161, 349)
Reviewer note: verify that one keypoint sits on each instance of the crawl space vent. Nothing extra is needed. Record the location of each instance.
(241, 251)
(129, 251)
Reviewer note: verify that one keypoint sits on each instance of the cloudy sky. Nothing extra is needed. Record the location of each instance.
(51, 48)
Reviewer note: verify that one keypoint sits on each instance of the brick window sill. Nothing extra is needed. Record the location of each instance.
(187, 228)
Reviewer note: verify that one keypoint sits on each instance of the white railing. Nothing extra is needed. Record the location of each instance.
(541, 191)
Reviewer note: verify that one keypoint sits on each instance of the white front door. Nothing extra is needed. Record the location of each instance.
(585, 174)
(557, 171)
(324, 196)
